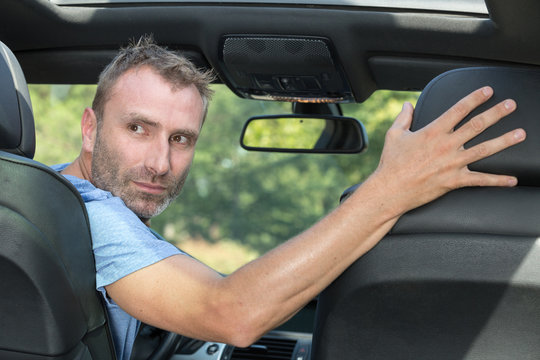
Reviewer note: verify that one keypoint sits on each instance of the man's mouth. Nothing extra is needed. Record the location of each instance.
(150, 188)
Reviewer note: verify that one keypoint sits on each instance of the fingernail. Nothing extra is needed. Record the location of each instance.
(509, 104)
(486, 91)
(519, 134)
(512, 182)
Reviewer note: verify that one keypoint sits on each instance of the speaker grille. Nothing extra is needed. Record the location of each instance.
(284, 51)
(283, 68)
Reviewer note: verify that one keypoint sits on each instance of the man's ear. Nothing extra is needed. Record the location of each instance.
(88, 130)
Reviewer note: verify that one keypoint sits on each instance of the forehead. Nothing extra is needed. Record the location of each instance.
(145, 92)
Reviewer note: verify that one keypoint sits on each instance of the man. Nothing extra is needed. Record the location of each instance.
(138, 144)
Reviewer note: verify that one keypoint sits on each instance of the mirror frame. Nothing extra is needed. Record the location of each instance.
(358, 126)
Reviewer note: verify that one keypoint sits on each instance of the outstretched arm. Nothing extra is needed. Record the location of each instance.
(184, 296)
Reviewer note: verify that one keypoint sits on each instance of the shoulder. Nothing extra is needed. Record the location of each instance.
(86, 189)
(111, 212)
(113, 223)
(122, 243)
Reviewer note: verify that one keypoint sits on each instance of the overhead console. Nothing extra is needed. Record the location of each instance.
(283, 68)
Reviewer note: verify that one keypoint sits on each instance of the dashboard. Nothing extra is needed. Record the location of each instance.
(276, 345)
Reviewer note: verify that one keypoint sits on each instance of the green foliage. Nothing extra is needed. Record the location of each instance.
(377, 114)
(262, 199)
(284, 133)
(57, 112)
(255, 200)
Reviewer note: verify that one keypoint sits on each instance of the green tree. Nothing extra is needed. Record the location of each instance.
(262, 199)
(57, 112)
(377, 114)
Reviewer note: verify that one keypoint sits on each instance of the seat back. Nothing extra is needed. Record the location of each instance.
(458, 278)
(49, 308)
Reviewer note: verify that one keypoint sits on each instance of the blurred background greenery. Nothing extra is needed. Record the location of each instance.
(236, 204)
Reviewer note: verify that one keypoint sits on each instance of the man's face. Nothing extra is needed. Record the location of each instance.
(146, 141)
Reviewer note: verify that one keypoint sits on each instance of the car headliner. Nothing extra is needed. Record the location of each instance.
(377, 47)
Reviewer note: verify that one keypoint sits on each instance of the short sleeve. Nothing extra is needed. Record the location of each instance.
(122, 243)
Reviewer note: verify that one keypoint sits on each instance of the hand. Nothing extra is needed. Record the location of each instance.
(417, 167)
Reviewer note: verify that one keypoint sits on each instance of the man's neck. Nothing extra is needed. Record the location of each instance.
(78, 169)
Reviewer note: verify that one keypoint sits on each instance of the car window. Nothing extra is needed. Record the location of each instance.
(235, 204)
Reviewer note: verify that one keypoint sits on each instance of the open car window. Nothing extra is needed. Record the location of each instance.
(235, 204)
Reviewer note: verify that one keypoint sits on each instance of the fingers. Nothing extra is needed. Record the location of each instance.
(462, 108)
(404, 119)
(420, 166)
(484, 179)
(484, 120)
(486, 149)
(476, 126)
(493, 146)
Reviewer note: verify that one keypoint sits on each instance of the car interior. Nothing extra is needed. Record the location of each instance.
(458, 278)
(454, 279)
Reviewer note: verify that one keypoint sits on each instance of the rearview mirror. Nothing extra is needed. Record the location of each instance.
(304, 133)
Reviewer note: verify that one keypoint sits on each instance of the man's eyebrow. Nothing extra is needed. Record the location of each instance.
(143, 119)
(187, 132)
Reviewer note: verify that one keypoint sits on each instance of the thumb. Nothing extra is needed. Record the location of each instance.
(404, 118)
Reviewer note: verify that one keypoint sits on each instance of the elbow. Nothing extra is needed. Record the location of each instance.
(239, 317)
(243, 331)
(240, 327)
(243, 339)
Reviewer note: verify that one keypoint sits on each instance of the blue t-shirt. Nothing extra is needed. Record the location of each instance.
(122, 244)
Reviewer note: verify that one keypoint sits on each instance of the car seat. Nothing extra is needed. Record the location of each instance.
(49, 308)
(458, 278)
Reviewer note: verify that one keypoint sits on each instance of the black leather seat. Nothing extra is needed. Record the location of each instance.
(49, 308)
(458, 278)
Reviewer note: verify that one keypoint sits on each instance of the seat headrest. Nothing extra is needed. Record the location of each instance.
(17, 134)
(522, 85)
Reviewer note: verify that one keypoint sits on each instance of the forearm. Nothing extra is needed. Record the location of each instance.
(272, 288)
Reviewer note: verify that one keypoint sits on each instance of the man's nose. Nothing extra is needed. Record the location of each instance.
(158, 157)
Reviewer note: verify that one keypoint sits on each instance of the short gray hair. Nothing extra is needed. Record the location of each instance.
(172, 66)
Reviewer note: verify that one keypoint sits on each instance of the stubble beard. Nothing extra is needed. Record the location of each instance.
(107, 176)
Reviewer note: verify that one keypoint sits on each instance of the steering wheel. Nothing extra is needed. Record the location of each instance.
(154, 344)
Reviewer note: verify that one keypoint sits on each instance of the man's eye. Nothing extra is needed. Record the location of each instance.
(179, 139)
(138, 129)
